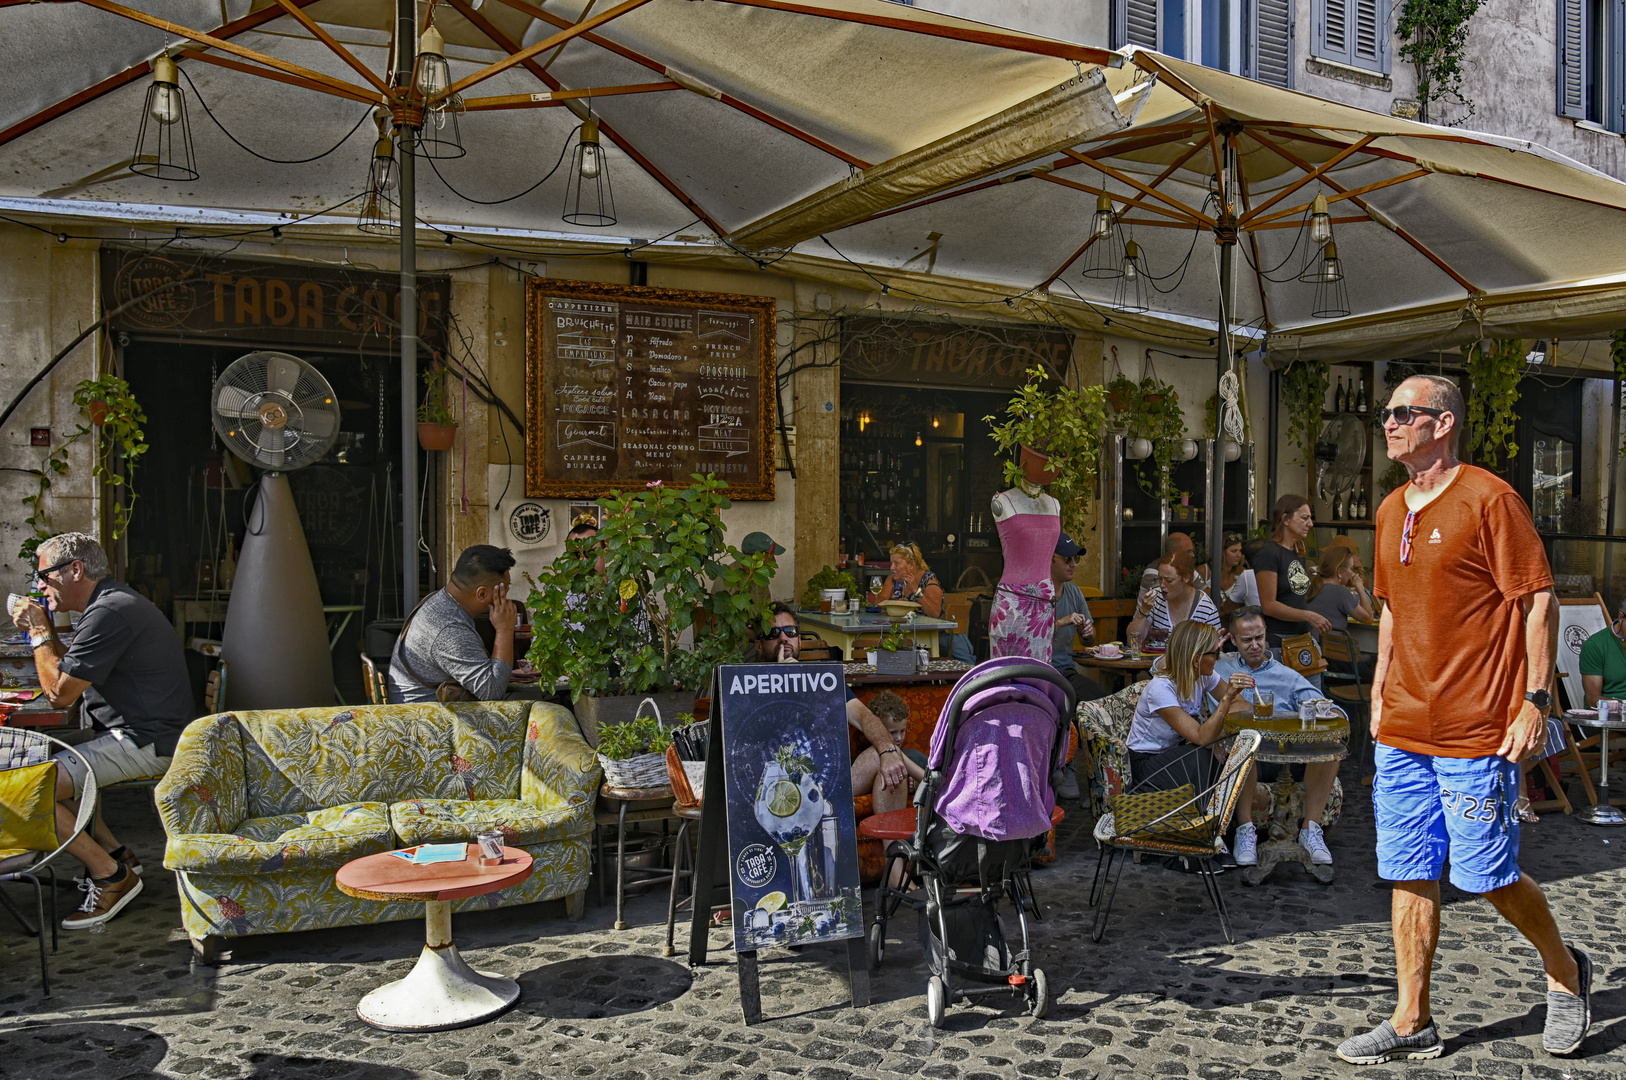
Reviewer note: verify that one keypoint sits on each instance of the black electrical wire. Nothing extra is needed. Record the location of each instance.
(563, 150)
(247, 149)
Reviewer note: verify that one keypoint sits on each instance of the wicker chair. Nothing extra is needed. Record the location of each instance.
(1176, 824)
(372, 681)
(21, 748)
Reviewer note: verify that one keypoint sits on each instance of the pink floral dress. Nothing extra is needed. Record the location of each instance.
(1023, 620)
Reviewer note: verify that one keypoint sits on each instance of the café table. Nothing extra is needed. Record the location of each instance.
(1124, 668)
(842, 629)
(1284, 741)
(1604, 812)
(442, 991)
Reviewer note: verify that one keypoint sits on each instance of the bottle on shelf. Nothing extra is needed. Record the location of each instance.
(1338, 399)
(1360, 396)
(1365, 510)
(1338, 507)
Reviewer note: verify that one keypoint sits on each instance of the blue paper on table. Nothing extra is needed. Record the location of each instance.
(433, 853)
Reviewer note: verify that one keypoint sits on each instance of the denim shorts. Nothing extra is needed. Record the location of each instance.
(1429, 808)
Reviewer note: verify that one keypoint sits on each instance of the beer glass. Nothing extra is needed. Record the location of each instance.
(1264, 704)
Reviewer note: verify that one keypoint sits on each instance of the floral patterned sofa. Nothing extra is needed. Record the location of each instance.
(262, 807)
(1105, 728)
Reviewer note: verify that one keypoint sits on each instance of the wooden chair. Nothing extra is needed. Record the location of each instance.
(960, 611)
(815, 647)
(214, 689)
(863, 644)
(1090, 591)
(372, 681)
(1346, 686)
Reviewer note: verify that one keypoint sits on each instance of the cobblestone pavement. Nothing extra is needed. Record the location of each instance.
(1162, 995)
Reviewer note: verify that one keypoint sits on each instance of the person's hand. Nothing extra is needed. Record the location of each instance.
(893, 772)
(504, 612)
(1318, 622)
(1148, 601)
(1375, 710)
(32, 618)
(786, 654)
(1241, 680)
(1526, 737)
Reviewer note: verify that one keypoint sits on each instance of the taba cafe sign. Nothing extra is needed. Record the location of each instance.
(986, 356)
(273, 302)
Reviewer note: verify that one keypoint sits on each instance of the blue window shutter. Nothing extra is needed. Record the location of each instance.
(1572, 53)
(1333, 30)
(1134, 22)
(1272, 39)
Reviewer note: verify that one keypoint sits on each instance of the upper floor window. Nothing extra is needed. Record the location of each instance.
(1353, 32)
(1247, 37)
(1591, 69)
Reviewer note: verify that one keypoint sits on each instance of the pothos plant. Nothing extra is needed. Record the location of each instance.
(1150, 410)
(1067, 423)
(112, 411)
(1435, 33)
(667, 574)
(1494, 369)
(1304, 385)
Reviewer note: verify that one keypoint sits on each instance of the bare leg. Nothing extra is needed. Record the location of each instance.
(1525, 906)
(98, 863)
(1318, 780)
(104, 835)
(1415, 916)
(866, 767)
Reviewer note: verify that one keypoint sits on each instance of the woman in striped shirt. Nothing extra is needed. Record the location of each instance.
(1175, 600)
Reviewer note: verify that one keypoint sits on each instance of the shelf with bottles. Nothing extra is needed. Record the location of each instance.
(1349, 390)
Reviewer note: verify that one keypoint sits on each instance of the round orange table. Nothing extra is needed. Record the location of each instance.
(441, 991)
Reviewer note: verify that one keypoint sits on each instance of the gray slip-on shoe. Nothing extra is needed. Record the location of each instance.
(1568, 1016)
(1383, 1043)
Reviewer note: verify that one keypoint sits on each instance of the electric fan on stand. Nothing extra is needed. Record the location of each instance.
(276, 412)
(1341, 450)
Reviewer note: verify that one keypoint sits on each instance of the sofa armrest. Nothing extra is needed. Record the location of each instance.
(559, 769)
(206, 787)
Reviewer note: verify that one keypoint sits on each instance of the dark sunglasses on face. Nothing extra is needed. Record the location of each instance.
(41, 575)
(780, 631)
(1405, 414)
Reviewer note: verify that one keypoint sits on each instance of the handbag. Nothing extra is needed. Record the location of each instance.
(1301, 653)
(449, 691)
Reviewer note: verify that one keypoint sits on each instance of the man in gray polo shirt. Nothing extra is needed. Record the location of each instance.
(440, 644)
(127, 665)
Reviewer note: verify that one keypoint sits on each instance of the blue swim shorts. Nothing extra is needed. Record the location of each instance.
(1430, 807)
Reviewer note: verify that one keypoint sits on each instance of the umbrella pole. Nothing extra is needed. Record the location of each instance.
(1216, 503)
(1614, 480)
(406, 47)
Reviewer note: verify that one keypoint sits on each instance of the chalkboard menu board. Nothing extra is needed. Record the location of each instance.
(625, 385)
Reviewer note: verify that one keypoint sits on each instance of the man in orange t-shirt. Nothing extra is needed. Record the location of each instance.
(1459, 698)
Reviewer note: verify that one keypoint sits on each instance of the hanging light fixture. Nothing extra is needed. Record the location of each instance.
(588, 198)
(163, 147)
(1331, 291)
(1131, 292)
(1105, 217)
(431, 77)
(936, 422)
(917, 440)
(1320, 221)
(380, 214)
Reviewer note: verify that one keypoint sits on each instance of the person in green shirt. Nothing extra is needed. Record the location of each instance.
(1603, 661)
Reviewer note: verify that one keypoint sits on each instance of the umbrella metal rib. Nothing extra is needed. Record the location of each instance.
(333, 45)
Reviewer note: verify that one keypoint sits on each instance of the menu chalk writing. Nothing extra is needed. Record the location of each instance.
(626, 385)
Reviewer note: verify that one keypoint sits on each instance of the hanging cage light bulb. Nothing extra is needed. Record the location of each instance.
(588, 198)
(1103, 254)
(1131, 292)
(1320, 221)
(163, 147)
(431, 78)
(381, 174)
(1105, 217)
(1332, 267)
(1331, 291)
(380, 214)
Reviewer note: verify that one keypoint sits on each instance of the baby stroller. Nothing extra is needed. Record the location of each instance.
(984, 809)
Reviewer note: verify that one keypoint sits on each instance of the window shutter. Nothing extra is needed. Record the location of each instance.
(1134, 22)
(1273, 42)
(1572, 59)
(1332, 30)
(1369, 45)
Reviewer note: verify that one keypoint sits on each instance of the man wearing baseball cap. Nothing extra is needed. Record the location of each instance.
(1072, 616)
(760, 543)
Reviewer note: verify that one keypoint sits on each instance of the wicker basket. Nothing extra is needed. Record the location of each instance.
(638, 771)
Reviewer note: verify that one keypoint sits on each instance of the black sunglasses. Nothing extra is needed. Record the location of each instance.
(1405, 414)
(780, 631)
(40, 575)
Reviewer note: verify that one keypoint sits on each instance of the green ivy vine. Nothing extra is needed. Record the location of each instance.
(1493, 378)
(1435, 33)
(1304, 385)
(1150, 410)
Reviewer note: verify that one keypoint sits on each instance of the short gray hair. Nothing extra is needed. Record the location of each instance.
(1443, 394)
(79, 547)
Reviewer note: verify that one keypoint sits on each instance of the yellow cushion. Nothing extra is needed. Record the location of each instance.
(28, 808)
(1135, 811)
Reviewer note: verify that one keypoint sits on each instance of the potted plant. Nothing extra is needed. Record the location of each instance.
(1152, 412)
(827, 578)
(1055, 431)
(672, 601)
(633, 752)
(896, 654)
(437, 430)
(118, 420)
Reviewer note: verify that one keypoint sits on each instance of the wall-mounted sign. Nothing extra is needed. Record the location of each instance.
(266, 301)
(625, 385)
(530, 522)
(987, 356)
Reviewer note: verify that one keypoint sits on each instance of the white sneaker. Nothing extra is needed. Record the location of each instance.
(1067, 784)
(1247, 845)
(1311, 840)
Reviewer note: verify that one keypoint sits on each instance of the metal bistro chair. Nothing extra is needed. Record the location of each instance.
(1174, 823)
(372, 681)
(21, 748)
(1346, 687)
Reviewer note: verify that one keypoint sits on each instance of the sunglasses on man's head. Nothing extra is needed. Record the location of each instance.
(780, 631)
(1405, 414)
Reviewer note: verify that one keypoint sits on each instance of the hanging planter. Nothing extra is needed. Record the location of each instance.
(97, 412)
(1036, 467)
(436, 436)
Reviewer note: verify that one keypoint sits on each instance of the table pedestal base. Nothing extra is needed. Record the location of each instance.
(1602, 814)
(442, 991)
(1280, 842)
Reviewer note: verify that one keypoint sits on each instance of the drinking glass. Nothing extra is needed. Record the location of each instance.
(1264, 704)
(789, 806)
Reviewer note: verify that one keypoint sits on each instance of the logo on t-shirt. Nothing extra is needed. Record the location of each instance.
(1298, 579)
(1435, 539)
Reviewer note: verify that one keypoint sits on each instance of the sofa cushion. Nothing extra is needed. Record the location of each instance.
(446, 821)
(322, 840)
(301, 760)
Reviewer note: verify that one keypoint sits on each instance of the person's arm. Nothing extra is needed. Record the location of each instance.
(60, 689)
(1592, 685)
(1143, 614)
(893, 763)
(1380, 669)
(1527, 734)
(1201, 733)
(458, 651)
(931, 601)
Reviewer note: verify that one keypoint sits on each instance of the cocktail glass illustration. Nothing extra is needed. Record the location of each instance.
(789, 806)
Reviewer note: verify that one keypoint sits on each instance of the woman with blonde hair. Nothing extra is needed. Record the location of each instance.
(912, 579)
(1168, 738)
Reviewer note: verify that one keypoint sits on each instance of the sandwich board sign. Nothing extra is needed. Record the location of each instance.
(778, 756)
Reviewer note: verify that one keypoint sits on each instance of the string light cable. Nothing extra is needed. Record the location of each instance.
(563, 150)
(250, 150)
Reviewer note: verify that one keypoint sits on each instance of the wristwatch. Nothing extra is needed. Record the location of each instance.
(1541, 699)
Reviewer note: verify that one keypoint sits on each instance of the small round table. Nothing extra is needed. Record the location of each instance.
(441, 991)
(1605, 813)
(1283, 741)
(1125, 667)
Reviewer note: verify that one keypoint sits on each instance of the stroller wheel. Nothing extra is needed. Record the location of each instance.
(936, 1001)
(1041, 995)
(877, 945)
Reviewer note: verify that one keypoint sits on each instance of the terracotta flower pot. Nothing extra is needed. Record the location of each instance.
(97, 411)
(436, 437)
(1036, 466)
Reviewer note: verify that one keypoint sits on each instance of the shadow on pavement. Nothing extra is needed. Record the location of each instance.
(594, 987)
(57, 1050)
